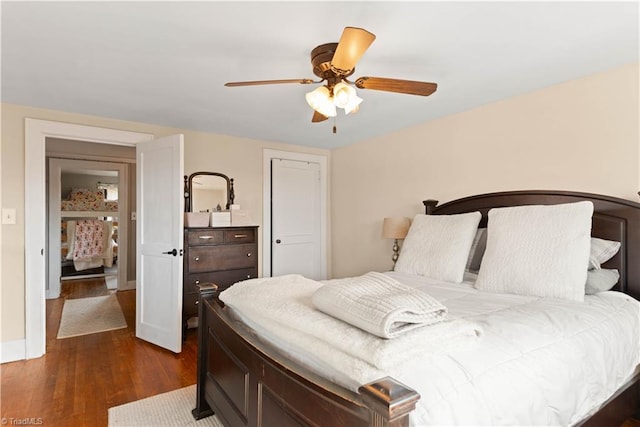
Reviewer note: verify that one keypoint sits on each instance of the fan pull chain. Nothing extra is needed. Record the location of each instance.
(334, 125)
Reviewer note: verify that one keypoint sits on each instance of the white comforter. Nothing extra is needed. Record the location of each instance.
(538, 362)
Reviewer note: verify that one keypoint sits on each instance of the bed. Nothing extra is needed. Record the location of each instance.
(246, 380)
(81, 200)
(84, 205)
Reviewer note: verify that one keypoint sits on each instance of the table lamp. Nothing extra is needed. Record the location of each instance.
(395, 228)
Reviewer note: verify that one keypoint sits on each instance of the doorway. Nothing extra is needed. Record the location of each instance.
(36, 134)
(82, 190)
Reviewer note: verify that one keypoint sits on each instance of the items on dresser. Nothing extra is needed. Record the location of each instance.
(219, 255)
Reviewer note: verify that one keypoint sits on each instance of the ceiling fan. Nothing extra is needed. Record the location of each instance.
(333, 63)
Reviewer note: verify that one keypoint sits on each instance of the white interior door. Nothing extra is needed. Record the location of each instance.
(160, 209)
(295, 218)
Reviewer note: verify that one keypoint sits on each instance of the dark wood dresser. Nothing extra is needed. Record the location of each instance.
(220, 255)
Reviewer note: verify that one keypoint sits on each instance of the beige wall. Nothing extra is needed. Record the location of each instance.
(239, 158)
(581, 135)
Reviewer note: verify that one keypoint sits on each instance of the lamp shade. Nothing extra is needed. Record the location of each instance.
(342, 94)
(345, 97)
(395, 228)
(321, 100)
(354, 104)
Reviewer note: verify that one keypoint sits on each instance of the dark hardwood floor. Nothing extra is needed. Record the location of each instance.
(80, 378)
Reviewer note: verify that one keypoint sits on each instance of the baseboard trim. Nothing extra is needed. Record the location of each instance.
(10, 351)
(50, 295)
(129, 286)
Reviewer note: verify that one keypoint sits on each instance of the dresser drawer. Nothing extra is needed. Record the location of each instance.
(223, 279)
(240, 235)
(202, 259)
(205, 237)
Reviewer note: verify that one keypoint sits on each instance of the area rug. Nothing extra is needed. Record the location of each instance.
(167, 409)
(84, 316)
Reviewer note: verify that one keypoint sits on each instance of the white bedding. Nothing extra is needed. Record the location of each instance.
(539, 361)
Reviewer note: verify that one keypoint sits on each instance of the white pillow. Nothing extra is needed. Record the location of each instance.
(602, 251)
(600, 280)
(538, 250)
(437, 246)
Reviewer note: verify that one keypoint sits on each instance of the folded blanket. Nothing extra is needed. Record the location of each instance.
(378, 304)
(281, 308)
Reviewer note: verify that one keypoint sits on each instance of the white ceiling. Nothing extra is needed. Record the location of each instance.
(166, 62)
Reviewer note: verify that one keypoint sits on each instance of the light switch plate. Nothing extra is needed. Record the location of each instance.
(8, 215)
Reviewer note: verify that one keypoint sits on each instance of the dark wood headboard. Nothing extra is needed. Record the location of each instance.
(613, 219)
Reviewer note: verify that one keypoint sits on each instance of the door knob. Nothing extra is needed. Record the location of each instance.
(278, 241)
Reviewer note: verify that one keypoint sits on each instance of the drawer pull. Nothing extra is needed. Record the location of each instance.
(205, 237)
(239, 236)
(196, 259)
(197, 302)
(249, 254)
(197, 282)
(248, 276)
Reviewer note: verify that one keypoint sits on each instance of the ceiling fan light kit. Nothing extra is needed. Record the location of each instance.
(333, 63)
(324, 100)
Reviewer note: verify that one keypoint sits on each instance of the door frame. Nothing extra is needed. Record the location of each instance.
(35, 212)
(268, 155)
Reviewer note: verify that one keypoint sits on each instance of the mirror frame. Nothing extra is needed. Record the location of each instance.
(188, 183)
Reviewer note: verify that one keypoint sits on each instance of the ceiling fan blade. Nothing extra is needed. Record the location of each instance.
(270, 82)
(395, 85)
(318, 117)
(353, 43)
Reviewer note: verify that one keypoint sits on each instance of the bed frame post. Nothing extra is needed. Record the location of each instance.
(429, 206)
(207, 291)
(390, 402)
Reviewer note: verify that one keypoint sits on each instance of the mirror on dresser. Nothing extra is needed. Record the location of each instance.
(205, 191)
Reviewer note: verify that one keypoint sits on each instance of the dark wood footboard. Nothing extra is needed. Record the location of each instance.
(244, 386)
(624, 404)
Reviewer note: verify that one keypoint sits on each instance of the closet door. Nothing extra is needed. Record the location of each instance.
(160, 210)
(295, 218)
